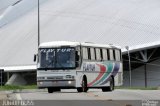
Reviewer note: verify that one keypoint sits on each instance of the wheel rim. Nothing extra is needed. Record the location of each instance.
(83, 85)
(111, 84)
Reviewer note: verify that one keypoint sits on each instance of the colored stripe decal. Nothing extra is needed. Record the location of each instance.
(110, 67)
(115, 71)
(102, 71)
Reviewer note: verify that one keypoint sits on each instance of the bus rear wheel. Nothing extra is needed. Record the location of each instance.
(50, 90)
(84, 86)
(79, 89)
(110, 87)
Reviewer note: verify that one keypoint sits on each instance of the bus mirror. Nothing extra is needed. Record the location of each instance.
(35, 58)
(77, 56)
(77, 64)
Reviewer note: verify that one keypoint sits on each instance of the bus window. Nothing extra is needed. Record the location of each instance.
(85, 53)
(114, 55)
(92, 53)
(111, 54)
(89, 53)
(117, 55)
(104, 53)
(108, 55)
(120, 54)
(101, 54)
(98, 54)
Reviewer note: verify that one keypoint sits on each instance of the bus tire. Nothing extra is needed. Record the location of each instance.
(84, 84)
(79, 89)
(84, 87)
(110, 87)
(56, 90)
(50, 90)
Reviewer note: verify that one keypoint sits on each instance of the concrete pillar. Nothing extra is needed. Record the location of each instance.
(16, 79)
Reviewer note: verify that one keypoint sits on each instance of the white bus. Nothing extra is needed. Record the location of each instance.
(64, 65)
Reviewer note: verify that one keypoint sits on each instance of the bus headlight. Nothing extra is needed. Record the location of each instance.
(69, 82)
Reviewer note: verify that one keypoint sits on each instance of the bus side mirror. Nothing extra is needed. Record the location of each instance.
(77, 56)
(77, 64)
(35, 58)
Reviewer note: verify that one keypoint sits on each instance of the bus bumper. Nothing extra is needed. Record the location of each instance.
(60, 84)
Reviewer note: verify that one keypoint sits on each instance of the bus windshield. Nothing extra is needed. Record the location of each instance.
(57, 58)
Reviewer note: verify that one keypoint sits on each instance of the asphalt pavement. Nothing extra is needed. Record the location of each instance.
(94, 97)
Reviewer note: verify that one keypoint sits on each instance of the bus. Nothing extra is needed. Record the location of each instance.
(68, 65)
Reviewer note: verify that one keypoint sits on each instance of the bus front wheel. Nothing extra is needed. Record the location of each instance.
(84, 87)
(51, 90)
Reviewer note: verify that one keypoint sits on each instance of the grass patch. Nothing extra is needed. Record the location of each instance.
(15, 87)
(137, 88)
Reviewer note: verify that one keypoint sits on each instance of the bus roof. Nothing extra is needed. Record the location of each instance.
(74, 44)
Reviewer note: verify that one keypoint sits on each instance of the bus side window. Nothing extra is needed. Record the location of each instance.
(111, 54)
(120, 53)
(104, 53)
(95, 53)
(85, 53)
(98, 54)
(114, 54)
(118, 58)
(89, 53)
(108, 54)
(92, 53)
(101, 54)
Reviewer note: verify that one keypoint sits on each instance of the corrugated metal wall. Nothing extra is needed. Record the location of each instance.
(138, 75)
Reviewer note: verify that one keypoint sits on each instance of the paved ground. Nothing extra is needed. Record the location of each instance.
(3, 95)
(93, 97)
(94, 94)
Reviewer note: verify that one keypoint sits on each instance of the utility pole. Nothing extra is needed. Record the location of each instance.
(38, 25)
(129, 66)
